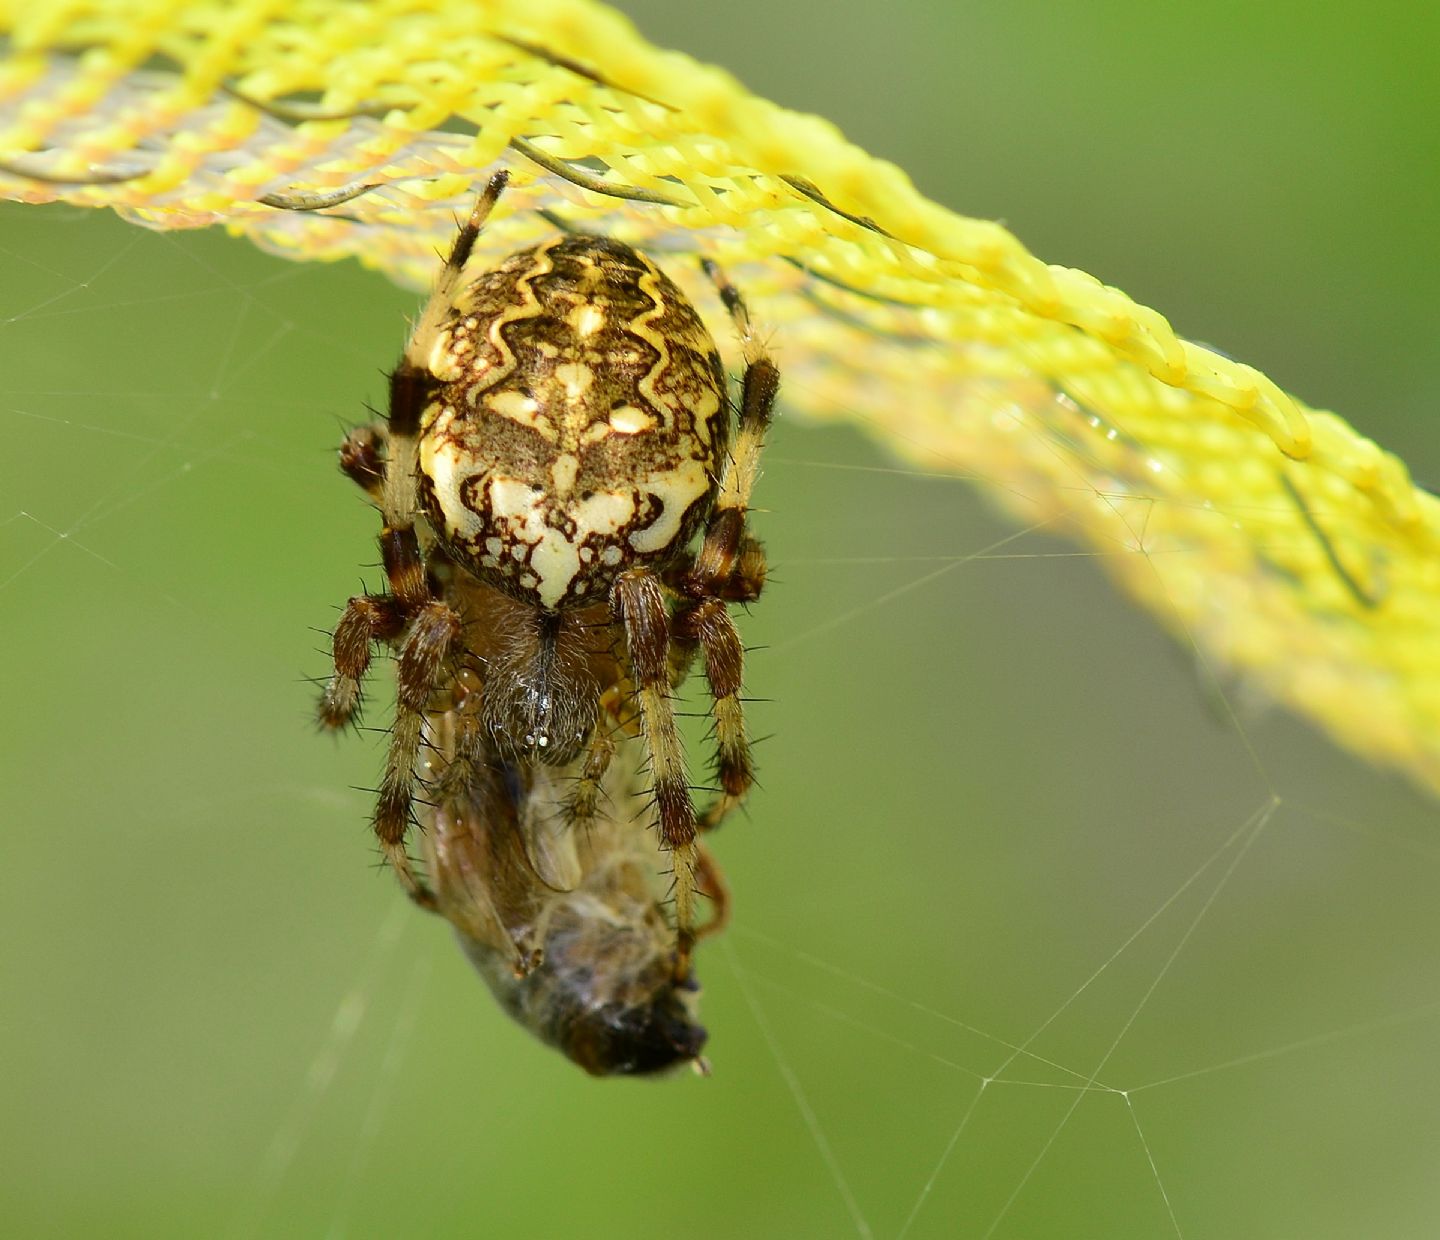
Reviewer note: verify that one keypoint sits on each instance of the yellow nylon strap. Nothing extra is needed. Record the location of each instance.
(1292, 550)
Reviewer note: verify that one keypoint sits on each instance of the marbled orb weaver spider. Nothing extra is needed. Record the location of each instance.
(559, 433)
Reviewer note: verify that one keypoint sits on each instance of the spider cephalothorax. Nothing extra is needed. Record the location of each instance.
(560, 427)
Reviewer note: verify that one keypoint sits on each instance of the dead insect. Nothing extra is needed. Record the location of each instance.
(564, 923)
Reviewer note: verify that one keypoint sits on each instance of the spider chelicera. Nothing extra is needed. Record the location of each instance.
(559, 434)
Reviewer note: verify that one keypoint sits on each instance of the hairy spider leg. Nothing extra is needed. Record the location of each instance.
(362, 460)
(583, 803)
(638, 601)
(712, 883)
(425, 627)
(730, 564)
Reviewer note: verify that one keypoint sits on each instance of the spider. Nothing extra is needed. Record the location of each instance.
(559, 434)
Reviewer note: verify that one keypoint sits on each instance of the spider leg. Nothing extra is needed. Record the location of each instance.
(638, 601)
(583, 802)
(747, 577)
(367, 618)
(712, 884)
(725, 534)
(708, 622)
(417, 667)
(730, 564)
(412, 382)
(362, 460)
(426, 627)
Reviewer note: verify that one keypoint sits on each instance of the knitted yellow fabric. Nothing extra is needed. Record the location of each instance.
(1292, 550)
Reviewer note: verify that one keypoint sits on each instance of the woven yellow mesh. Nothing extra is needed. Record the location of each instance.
(1292, 550)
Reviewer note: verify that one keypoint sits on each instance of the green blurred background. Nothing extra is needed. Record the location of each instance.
(220, 1020)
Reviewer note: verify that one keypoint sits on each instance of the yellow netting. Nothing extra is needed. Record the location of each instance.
(1292, 549)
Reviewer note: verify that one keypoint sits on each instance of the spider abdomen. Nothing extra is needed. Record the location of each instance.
(580, 422)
